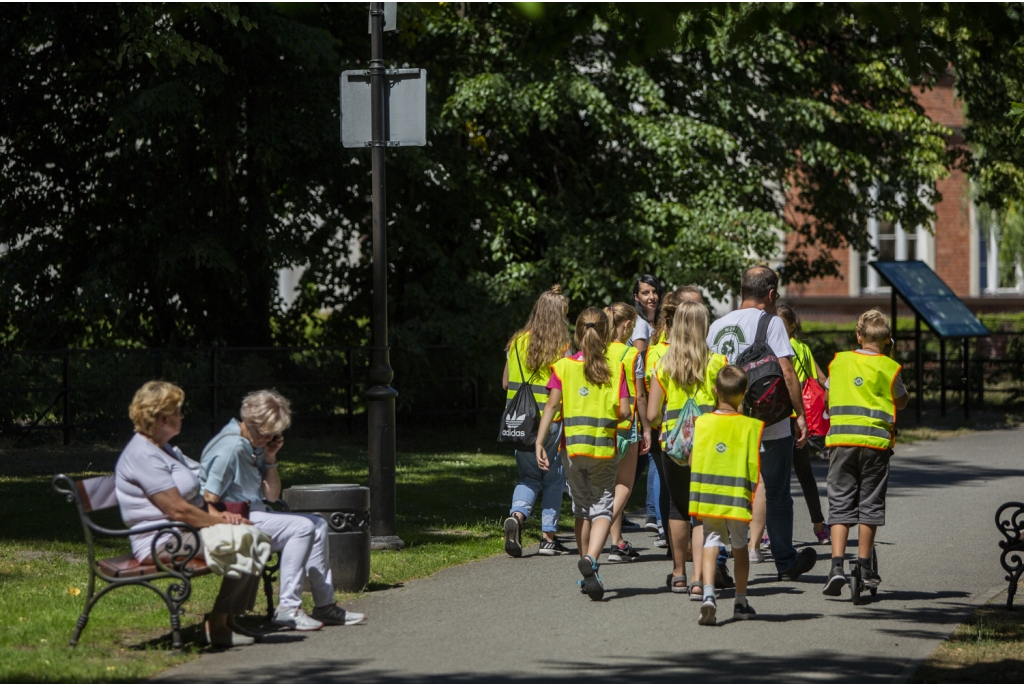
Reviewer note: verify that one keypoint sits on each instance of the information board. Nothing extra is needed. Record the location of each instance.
(924, 291)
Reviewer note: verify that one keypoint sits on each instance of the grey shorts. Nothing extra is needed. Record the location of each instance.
(719, 532)
(592, 484)
(857, 480)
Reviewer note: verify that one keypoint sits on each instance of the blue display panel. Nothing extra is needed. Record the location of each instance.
(932, 299)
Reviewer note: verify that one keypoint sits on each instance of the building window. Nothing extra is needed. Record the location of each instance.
(891, 243)
(999, 269)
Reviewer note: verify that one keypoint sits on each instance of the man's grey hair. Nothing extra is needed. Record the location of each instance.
(266, 411)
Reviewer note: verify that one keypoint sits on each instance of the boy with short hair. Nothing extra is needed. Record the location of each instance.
(723, 478)
(864, 392)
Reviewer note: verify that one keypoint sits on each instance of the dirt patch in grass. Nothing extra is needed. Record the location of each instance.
(987, 648)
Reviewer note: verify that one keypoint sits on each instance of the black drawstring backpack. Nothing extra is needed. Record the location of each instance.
(521, 418)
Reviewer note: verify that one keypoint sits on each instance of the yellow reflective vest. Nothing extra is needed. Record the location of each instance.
(803, 361)
(621, 353)
(726, 459)
(654, 354)
(861, 407)
(539, 378)
(590, 413)
(676, 394)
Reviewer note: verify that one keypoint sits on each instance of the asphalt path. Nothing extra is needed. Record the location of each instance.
(524, 620)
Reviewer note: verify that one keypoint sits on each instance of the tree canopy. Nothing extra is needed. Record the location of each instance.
(162, 162)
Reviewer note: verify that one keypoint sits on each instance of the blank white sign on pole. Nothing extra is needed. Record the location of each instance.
(405, 121)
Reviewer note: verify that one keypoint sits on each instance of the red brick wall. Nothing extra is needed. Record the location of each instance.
(953, 233)
(952, 225)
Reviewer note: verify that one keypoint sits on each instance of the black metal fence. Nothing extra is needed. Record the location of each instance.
(84, 394)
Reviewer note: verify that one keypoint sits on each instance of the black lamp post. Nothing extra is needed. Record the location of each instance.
(380, 396)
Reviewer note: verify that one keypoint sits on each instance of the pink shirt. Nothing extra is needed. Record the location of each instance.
(556, 383)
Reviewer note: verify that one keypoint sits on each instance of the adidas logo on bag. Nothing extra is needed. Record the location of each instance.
(512, 422)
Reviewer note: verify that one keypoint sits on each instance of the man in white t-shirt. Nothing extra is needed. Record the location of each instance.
(731, 335)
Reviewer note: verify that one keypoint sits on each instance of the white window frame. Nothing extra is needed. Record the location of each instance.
(874, 281)
(992, 287)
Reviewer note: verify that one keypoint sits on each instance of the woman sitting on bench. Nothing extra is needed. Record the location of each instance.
(240, 465)
(156, 483)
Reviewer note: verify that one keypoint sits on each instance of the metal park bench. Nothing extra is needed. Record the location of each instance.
(179, 544)
(1010, 522)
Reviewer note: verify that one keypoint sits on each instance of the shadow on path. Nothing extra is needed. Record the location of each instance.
(691, 666)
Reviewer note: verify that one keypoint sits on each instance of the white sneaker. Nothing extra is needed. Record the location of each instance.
(756, 556)
(296, 619)
(334, 615)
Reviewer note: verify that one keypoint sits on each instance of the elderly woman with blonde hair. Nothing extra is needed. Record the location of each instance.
(156, 483)
(240, 465)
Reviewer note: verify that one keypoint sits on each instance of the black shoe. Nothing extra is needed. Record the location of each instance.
(624, 553)
(870, 579)
(651, 524)
(723, 581)
(661, 541)
(743, 612)
(805, 560)
(592, 584)
(630, 524)
(513, 537)
(552, 548)
(836, 581)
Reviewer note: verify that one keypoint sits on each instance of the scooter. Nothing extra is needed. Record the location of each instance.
(857, 585)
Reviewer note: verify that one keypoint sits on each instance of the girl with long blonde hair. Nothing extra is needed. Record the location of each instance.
(593, 396)
(529, 356)
(687, 370)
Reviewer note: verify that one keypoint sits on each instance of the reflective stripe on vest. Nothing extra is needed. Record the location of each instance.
(702, 393)
(861, 411)
(861, 407)
(591, 412)
(540, 379)
(621, 353)
(726, 459)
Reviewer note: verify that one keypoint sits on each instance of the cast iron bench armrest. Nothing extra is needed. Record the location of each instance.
(1010, 522)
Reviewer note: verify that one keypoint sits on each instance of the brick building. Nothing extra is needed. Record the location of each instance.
(963, 249)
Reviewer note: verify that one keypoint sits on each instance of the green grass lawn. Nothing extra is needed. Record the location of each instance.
(987, 648)
(453, 492)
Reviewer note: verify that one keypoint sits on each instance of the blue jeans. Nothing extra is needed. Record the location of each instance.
(533, 481)
(653, 489)
(776, 467)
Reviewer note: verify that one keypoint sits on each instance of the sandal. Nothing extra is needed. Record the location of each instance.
(699, 589)
(677, 583)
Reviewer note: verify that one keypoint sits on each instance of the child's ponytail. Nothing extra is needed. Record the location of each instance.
(592, 339)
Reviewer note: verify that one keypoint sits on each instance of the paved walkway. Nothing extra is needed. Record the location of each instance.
(506, 619)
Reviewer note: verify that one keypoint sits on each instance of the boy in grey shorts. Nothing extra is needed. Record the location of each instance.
(864, 393)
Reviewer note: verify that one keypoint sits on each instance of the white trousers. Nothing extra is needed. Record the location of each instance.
(302, 541)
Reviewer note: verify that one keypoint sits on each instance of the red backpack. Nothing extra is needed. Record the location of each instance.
(814, 401)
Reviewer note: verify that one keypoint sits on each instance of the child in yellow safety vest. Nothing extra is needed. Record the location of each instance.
(530, 353)
(686, 372)
(864, 392)
(632, 434)
(594, 398)
(723, 479)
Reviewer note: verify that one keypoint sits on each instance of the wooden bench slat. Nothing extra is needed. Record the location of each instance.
(127, 566)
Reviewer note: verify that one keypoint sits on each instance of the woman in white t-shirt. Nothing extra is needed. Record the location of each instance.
(156, 483)
(647, 294)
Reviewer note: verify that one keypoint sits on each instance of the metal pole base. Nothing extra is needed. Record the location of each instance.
(392, 542)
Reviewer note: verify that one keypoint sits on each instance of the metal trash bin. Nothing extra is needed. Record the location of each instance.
(346, 508)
